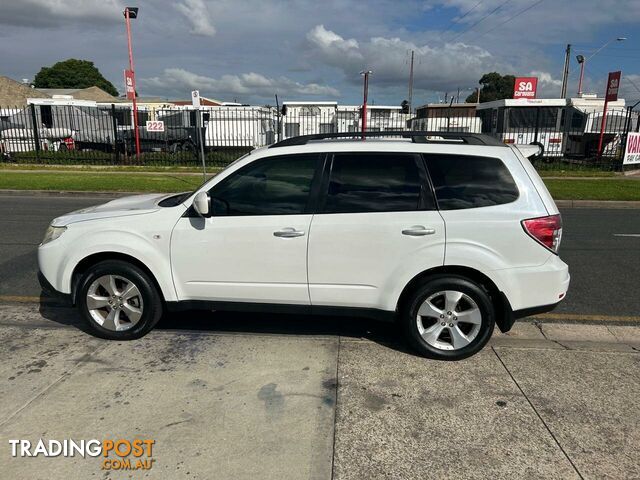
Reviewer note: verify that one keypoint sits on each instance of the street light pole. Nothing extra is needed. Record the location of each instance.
(366, 74)
(582, 60)
(129, 13)
(565, 71)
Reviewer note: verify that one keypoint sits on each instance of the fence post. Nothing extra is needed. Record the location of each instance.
(535, 134)
(201, 144)
(114, 122)
(36, 132)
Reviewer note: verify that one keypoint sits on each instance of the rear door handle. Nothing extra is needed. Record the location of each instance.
(288, 233)
(418, 231)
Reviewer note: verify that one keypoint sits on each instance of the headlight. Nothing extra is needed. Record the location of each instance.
(52, 233)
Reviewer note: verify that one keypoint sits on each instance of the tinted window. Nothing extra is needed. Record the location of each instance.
(374, 183)
(469, 182)
(526, 117)
(274, 186)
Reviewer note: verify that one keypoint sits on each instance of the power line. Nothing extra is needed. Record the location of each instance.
(482, 19)
(458, 19)
(511, 18)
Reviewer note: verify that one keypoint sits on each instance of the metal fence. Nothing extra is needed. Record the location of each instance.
(104, 135)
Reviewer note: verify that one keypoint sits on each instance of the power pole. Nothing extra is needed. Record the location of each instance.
(565, 71)
(411, 83)
(365, 95)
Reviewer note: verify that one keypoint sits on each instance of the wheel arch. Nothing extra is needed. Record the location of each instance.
(504, 314)
(83, 265)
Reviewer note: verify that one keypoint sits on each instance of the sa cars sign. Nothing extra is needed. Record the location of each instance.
(129, 84)
(632, 152)
(613, 84)
(525, 87)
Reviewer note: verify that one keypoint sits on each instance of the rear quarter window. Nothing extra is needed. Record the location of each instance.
(467, 181)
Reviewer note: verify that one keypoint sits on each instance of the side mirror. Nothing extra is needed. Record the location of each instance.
(201, 204)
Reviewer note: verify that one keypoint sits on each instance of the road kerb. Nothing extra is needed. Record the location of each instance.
(580, 318)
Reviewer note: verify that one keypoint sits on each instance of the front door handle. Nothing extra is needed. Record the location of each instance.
(288, 233)
(418, 231)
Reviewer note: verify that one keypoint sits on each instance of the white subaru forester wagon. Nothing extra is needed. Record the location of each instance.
(447, 234)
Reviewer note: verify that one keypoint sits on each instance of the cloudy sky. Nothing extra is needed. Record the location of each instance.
(249, 50)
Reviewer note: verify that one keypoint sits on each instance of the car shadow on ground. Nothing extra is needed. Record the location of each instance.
(211, 322)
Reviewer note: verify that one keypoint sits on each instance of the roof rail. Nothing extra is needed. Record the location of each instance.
(416, 137)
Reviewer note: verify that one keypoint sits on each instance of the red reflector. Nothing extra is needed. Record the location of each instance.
(555, 140)
(545, 230)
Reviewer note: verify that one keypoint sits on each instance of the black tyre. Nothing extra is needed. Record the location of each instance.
(118, 300)
(448, 318)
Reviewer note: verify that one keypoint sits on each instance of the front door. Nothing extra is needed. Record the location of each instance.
(254, 246)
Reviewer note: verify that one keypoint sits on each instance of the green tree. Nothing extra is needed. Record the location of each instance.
(493, 87)
(73, 73)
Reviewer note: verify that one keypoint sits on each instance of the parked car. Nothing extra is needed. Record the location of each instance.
(448, 234)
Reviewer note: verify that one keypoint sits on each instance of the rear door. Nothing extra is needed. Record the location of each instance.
(376, 222)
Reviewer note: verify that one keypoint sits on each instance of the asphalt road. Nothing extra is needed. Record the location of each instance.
(604, 266)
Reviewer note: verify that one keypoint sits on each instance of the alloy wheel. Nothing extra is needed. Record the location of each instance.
(449, 320)
(114, 302)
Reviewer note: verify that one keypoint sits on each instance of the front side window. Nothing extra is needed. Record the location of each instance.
(464, 181)
(376, 182)
(272, 186)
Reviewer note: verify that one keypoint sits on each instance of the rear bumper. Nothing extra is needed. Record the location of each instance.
(534, 287)
(48, 290)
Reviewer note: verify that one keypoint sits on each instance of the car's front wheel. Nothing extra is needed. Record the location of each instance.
(118, 300)
(448, 318)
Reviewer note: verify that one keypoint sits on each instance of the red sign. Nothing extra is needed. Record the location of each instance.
(525, 87)
(613, 84)
(129, 84)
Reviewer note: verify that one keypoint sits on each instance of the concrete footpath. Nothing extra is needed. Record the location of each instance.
(230, 396)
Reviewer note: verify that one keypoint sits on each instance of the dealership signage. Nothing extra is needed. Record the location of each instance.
(155, 126)
(632, 152)
(525, 87)
(613, 84)
(129, 84)
(195, 98)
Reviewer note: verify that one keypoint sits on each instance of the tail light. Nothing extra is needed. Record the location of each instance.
(545, 230)
(555, 140)
(509, 140)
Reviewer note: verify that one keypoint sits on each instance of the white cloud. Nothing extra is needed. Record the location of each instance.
(246, 86)
(334, 49)
(436, 68)
(35, 13)
(548, 87)
(197, 15)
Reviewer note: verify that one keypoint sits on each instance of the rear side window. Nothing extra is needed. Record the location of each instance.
(464, 181)
(376, 182)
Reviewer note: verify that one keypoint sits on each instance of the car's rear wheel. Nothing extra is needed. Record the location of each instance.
(448, 318)
(118, 300)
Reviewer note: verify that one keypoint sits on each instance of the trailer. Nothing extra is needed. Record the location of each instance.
(442, 117)
(582, 121)
(526, 121)
(308, 118)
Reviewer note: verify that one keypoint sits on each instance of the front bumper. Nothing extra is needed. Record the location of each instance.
(48, 291)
